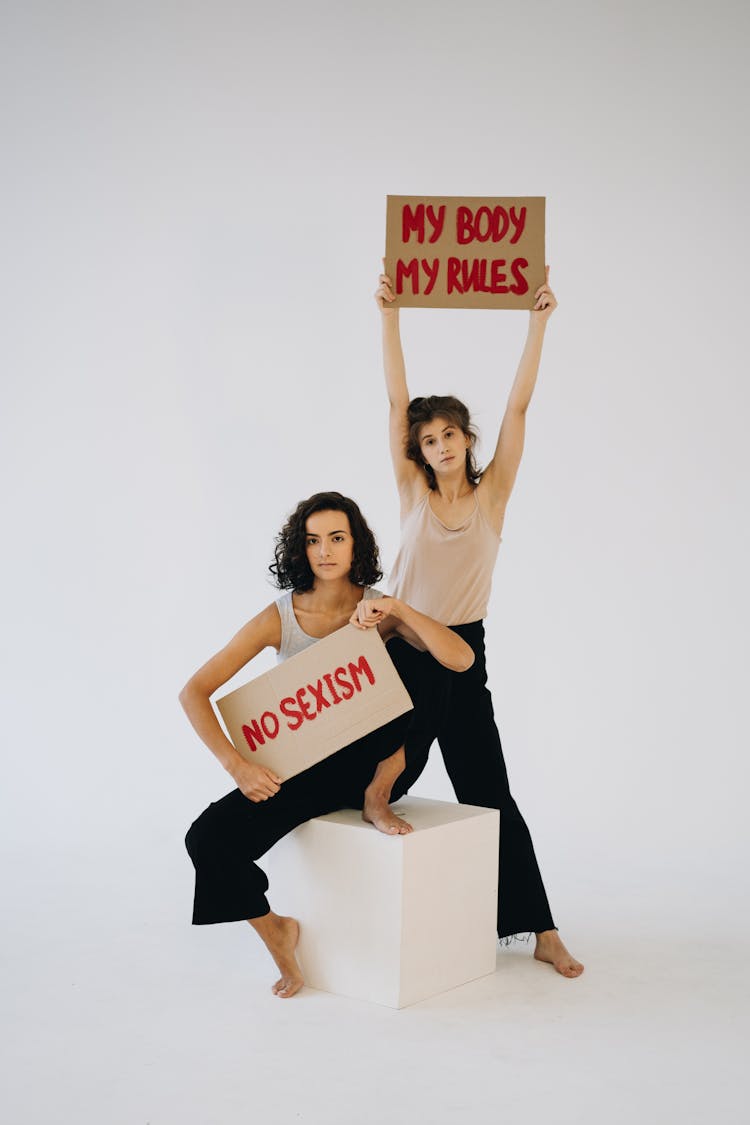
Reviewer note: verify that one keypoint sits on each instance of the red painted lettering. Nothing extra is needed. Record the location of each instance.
(453, 282)
(407, 269)
(483, 213)
(252, 734)
(304, 706)
(464, 231)
(412, 221)
(474, 274)
(329, 680)
(319, 696)
(361, 668)
(497, 279)
(270, 724)
(346, 688)
(287, 708)
(487, 224)
(431, 269)
(436, 221)
(521, 284)
(519, 222)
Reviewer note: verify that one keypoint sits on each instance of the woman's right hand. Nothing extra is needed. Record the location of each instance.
(384, 293)
(256, 782)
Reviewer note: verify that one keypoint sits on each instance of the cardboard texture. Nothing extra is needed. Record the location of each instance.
(322, 699)
(465, 252)
(392, 919)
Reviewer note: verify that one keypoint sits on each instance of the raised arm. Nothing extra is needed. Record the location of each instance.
(391, 616)
(409, 478)
(499, 477)
(256, 782)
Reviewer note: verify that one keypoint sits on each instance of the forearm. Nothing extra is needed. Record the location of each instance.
(197, 707)
(393, 360)
(528, 369)
(447, 647)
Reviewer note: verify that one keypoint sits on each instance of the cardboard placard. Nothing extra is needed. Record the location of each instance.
(465, 253)
(322, 699)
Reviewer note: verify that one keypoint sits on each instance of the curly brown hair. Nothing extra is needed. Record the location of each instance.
(422, 410)
(291, 570)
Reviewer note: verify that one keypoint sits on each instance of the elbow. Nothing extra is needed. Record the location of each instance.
(186, 695)
(465, 659)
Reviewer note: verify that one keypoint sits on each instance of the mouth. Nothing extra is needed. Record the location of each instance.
(445, 460)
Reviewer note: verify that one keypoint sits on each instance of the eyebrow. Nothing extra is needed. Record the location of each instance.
(316, 535)
(429, 433)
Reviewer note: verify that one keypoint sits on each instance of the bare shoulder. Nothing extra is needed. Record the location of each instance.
(262, 631)
(268, 625)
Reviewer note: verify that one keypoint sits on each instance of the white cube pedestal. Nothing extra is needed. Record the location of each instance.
(393, 919)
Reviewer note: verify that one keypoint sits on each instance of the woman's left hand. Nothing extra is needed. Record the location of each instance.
(370, 612)
(546, 302)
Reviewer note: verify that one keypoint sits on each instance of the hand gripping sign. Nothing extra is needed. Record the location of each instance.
(471, 253)
(329, 695)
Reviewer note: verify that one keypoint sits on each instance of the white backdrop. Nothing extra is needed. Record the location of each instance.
(194, 219)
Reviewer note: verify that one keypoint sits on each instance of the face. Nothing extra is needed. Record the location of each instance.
(329, 544)
(443, 446)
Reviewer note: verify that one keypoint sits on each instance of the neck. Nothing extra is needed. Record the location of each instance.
(334, 596)
(454, 486)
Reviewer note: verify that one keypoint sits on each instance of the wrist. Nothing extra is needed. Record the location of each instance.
(398, 609)
(232, 763)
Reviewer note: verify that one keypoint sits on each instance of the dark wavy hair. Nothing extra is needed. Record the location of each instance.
(291, 570)
(422, 410)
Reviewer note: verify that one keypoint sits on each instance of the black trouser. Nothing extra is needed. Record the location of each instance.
(473, 757)
(226, 839)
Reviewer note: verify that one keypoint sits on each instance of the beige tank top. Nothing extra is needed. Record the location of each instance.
(442, 571)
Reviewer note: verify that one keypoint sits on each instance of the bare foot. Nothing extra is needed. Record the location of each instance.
(377, 811)
(281, 936)
(550, 948)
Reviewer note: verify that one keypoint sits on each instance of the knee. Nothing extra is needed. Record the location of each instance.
(199, 841)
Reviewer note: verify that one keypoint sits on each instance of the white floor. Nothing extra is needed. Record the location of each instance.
(121, 1013)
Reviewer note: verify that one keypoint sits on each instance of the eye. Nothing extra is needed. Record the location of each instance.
(338, 538)
(311, 542)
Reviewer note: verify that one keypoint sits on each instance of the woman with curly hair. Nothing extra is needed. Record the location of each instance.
(451, 522)
(327, 562)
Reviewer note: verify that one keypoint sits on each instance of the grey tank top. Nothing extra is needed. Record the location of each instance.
(293, 639)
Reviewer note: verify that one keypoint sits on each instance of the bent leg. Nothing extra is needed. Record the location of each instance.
(233, 832)
(426, 681)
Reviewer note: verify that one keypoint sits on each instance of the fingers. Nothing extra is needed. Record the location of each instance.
(368, 613)
(365, 617)
(544, 297)
(265, 784)
(384, 291)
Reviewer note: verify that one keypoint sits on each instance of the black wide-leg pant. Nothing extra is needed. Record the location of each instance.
(232, 833)
(473, 756)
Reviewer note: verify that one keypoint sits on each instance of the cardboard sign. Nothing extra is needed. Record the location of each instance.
(471, 253)
(329, 695)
